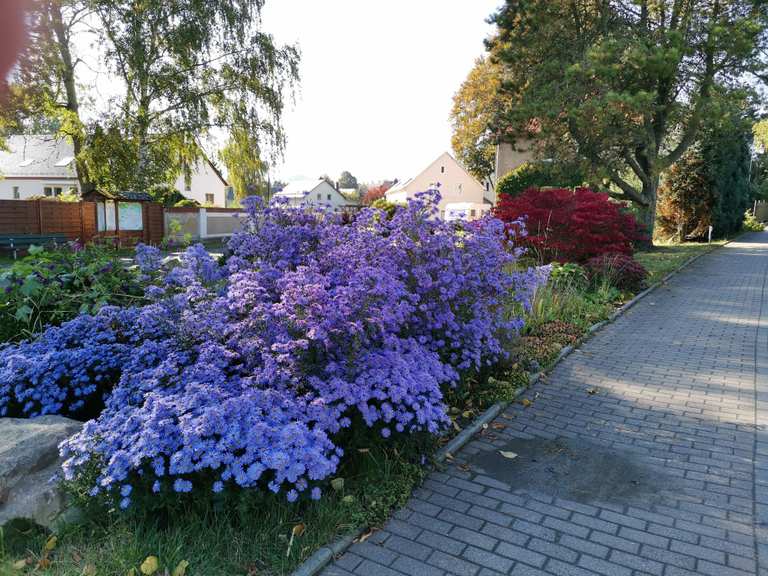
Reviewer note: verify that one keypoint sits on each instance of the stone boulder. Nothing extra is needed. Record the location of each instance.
(29, 460)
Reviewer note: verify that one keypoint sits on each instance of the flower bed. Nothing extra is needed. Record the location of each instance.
(246, 373)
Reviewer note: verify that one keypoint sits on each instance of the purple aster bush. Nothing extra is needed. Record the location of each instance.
(251, 373)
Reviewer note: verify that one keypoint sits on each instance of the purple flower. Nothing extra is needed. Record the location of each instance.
(245, 372)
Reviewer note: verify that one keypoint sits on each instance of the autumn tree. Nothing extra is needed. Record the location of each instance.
(376, 192)
(475, 107)
(628, 81)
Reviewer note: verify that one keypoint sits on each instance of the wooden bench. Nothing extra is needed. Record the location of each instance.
(16, 242)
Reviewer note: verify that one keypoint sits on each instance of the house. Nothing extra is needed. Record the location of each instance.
(462, 196)
(37, 165)
(44, 165)
(204, 183)
(314, 193)
(510, 155)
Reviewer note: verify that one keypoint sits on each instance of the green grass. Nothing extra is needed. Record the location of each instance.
(245, 535)
(665, 258)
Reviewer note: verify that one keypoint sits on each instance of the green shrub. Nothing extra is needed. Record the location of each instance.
(751, 224)
(51, 287)
(525, 176)
(569, 274)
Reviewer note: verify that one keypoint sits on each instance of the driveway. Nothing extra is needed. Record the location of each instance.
(644, 452)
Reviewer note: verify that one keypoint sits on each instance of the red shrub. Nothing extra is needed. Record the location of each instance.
(570, 225)
(622, 271)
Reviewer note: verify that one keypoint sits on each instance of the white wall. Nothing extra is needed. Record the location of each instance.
(203, 181)
(32, 187)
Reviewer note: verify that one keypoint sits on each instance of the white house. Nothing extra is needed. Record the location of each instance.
(203, 182)
(37, 165)
(314, 193)
(462, 196)
(44, 165)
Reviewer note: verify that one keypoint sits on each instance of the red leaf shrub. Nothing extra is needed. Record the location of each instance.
(622, 271)
(570, 225)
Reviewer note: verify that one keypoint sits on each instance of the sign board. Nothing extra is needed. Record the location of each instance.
(129, 216)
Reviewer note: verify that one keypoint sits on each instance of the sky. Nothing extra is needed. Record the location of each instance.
(377, 82)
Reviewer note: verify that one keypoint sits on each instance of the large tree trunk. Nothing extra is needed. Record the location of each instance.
(650, 190)
(72, 103)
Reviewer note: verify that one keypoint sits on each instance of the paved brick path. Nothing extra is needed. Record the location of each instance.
(640, 455)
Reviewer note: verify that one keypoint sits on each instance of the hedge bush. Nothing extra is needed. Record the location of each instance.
(569, 225)
(250, 372)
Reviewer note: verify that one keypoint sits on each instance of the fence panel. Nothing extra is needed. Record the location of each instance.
(18, 217)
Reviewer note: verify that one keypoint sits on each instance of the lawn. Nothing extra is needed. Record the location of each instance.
(665, 258)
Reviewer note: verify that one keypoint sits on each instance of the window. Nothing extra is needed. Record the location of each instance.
(487, 186)
(52, 190)
(472, 213)
(329, 197)
(319, 196)
(209, 198)
(442, 169)
(461, 187)
(16, 194)
(48, 191)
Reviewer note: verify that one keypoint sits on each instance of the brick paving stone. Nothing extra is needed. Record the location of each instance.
(681, 399)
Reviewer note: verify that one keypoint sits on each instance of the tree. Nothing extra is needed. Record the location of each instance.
(710, 184)
(475, 107)
(346, 180)
(245, 170)
(192, 66)
(628, 81)
(376, 192)
(44, 96)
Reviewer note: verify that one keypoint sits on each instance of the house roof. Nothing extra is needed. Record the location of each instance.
(41, 155)
(300, 188)
(445, 156)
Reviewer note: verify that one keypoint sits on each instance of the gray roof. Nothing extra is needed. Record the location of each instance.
(41, 155)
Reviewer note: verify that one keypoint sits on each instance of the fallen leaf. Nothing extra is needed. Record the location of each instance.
(363, 450)
(348, 499)
(464, 467)
(337, 484)
(364, 537)
(43, 563)
(525, 402)
(485, 426)
(181, 568)
(467, 414)
(498, 426)
(448, 456)
(456, 426)
(591, 391)
(20, 564)
(506, 454)
(299, 529)
(50, 544)
(149, 566)
(90, 570)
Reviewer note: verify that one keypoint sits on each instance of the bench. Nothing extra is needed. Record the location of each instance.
(16, 242)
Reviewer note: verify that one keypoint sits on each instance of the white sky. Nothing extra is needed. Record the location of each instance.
(377, 81)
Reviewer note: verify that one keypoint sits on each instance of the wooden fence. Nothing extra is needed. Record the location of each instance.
(77, 220)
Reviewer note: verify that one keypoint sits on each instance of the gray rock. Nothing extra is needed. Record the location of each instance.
(29, 460)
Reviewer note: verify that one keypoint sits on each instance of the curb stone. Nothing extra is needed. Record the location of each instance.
(326, 554)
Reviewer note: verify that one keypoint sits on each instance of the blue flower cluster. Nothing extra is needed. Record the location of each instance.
(243, 373)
